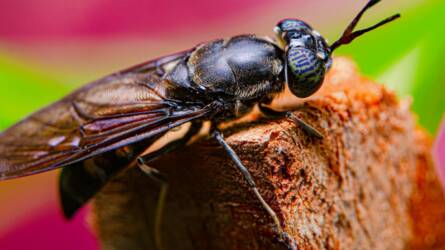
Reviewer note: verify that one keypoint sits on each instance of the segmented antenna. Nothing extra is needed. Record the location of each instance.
(348, 35)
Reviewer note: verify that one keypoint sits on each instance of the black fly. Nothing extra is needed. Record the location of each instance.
(98, 130)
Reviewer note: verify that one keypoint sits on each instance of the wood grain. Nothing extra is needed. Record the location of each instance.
(366, 185)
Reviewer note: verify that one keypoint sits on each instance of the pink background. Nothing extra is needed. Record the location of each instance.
(84, 39)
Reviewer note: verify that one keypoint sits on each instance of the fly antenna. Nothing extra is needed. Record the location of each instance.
(349, 35)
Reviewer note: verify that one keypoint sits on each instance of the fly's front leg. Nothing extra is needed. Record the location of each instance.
(268, 112)
(283, 235)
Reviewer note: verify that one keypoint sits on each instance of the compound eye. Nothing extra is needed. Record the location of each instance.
(292, 25)
(305, 71)
(301, 39)
(294, 36)
(309, 42)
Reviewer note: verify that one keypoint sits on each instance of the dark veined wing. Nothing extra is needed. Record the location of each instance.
(115, 111)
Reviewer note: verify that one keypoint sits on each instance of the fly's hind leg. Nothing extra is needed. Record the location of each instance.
(153, 173)
(283, 235)
(163, 181)
(268, 112)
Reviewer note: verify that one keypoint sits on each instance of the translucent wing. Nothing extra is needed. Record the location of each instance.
(115, 111)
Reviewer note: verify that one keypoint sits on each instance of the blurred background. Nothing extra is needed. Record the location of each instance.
(50, 47)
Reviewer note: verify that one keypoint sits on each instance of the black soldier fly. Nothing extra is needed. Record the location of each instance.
(98, 130)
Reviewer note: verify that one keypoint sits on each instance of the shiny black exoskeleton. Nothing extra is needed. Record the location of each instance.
(228, 77)
(237, 73)
(240, 71)
(244, 70)
(308, 56)
(100, 129)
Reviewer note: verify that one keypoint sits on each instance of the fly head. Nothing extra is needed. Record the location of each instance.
(307, 54)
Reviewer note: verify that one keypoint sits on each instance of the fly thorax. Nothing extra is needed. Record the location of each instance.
(242, 67)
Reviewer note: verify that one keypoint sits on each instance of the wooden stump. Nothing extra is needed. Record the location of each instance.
(361, 187)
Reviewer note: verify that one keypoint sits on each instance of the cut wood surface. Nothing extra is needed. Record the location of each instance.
(368, 184)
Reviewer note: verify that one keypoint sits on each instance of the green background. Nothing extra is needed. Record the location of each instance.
(407, 54)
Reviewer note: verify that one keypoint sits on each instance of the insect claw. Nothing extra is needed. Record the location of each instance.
(289, 241)
(305, 126)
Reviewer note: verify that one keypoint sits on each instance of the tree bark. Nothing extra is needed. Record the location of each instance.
(368, 184)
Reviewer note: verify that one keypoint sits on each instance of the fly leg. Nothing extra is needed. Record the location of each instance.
(283, 235)
(268, 112)
(162, 179)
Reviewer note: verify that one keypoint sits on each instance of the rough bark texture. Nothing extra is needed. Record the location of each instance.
(427, 207)
(369, 184)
